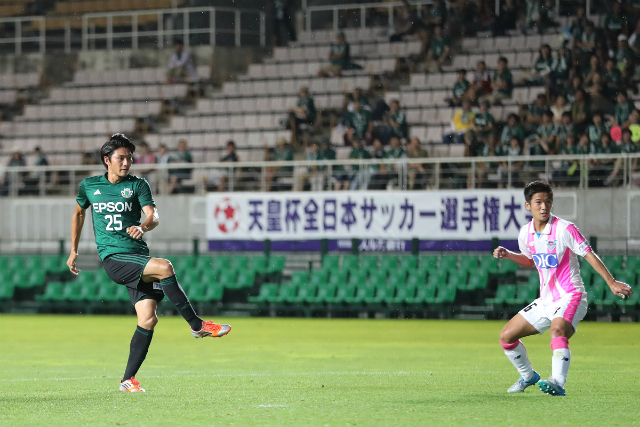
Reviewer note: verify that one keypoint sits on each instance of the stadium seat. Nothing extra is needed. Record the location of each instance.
(228, 278)
(33, 262)
(448, 262)
(54, 264)
(408, 262)
(71, 291)
(239, 262)
(338, 278)
(324, 292)
(633, 263)
(203, 263)
(213, 293)
(286, 292)
(304, 293)
(416, 278)
(398, 278)
(35, 278)
(331, 262)
(524, 295)
(458, 278)
(350, 262)
(195, 292)
(342, 294)
(489, 263)
(507, 267)
(53, 292)
(318, 277)
(626, 276)
(221, 262)
(299, 278)
(259, 264)
(613, 262)
(446, 294)
(208, 277)
(403, 294)
(468, 262)
(478, 279)
(19, 278)
(357, 277)
(369, 263)
(276, 264)
(437, 277)
(388, 262)
(504, 293)
(183, 263)
(363, 292)
(15, 262)
(6, 291)
(268, 292)
(423, 293)
(246, 279)
(378, 278)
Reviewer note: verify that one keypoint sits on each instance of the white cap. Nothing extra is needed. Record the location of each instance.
(622, 37)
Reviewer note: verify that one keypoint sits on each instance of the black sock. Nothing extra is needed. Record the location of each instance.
(138, 351)
(176, 295)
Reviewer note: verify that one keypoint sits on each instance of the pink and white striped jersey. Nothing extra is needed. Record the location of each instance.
(554, 254)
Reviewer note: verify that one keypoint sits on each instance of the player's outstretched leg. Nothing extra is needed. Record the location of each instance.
(147, 320)
(516, 352)
(561, 330)
(162, 270)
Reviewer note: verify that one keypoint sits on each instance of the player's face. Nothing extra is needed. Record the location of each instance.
(540, 206)
(120, 162)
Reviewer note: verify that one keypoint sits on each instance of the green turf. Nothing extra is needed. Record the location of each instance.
(64, 370)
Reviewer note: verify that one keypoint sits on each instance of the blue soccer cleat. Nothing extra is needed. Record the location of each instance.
(551, 387)
(521, 384)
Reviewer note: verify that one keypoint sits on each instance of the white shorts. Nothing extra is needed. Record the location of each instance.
(571, 307)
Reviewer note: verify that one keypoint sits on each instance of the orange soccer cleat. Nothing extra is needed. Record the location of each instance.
(210, 329)
(131, 386)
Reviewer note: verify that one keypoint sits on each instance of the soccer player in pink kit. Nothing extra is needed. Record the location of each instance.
(551, 244)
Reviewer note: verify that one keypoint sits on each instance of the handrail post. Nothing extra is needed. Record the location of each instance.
(67, 37)
(85, 41)
(185, 27)
(509, 172)
(436, 171)
(263, 31)
(109, 32)
(42, 36)
(473, 174)
(308, 23)
(18, 38)
(363, 17)
(160, 26)
(390, 16)
(212, 26)
(237, 28)
(335, 19)
(134, 31)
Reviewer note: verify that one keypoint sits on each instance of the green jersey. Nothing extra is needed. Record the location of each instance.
(460, 88)
(310, 107)
(629, 148)
(359, 153)
(595, 132)
(569, 151)
(437, 46)
(116, 207)
(482, 120)
(613, 23)
(402, 130)
(621, 112)
(508, 132)
(506, 77)
(344, 60)
(359, 122)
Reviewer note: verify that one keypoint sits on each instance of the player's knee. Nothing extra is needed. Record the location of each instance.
(558, 331)
(150, 322)
(506, 336)
(166, 269)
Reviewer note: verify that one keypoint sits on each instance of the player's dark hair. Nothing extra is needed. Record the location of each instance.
(537, 187)
(117, 140)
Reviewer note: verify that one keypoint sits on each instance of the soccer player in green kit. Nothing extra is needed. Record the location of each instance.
(118, 199)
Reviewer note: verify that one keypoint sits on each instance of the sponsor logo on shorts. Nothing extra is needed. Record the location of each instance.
(545, 260)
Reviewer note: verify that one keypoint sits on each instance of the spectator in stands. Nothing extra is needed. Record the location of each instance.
(612, 79)
(359, 125)
(592, 69)
(544, 134)
(513, 149)
(339, 57)
(569, 171)
(564, 128)
(181, 66)
(359, 175)
(437, 14)
(597, 95)
(282, 12)
(417, 172)
(395, 123)
(408, 23)
(588, 43)
(570, 90)
(559, 70)
(461, 123)
(501, 84)
(560, 108)
(439, 52)
(596, 129)
(542, 67)
(305, 110)
(163, 156)
(625, 60)
(602, 172)
(613, 23)
(483, 123)
(358, 93)
(17, 160)
(533, 116)
(578, 24)
(313, 173)
(580, 111)
(379, 179)
(484, 149)
(634, 39)
(282, 153)
(461, 89)
(177, 176)
(622, 110)
(507, 18)
(220, 177)
(145, 157)
(33, 180)
(395, 152)
(481, 82)
(512, 129)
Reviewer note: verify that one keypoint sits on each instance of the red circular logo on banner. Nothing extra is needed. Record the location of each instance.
(227, 215)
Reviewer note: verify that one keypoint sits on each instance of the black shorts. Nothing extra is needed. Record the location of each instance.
(126, 269)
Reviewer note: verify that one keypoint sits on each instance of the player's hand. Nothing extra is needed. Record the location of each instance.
(500, 252)
(71, 263)
(135, 231)
(621, 289)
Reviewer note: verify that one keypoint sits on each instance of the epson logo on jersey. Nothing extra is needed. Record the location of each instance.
(113, 207)
(545, 260)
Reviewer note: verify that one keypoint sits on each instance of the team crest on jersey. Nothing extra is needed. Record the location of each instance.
(126, 193)
(551, 244)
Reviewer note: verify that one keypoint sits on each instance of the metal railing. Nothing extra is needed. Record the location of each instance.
(18, 39)
(363, 8)
(587, 171)
(166, 34)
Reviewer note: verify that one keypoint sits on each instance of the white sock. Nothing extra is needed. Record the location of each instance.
(560, 365)
(517, 354)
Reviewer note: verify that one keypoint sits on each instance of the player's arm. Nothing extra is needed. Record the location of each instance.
(152, 221)
(520, 259)
(77, 222)
(621, 289)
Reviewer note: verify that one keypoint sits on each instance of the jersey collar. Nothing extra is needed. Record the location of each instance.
(547, 228)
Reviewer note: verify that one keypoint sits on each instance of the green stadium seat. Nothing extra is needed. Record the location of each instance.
(448, 262)
(318, 277)
(437, 277)
(195, 292)
(504, 293)
(203, 263)
(299, 278)
(4, 263)
(369, 263)
(389, 262)
(268, 291)
(324, 293)
(35, 278)
(54, 264)
(489, 263)
(478, 279)
(286, 291)
(632, 301)
(6, 291)
(627, 276)
(350, 262)
(363, 292)
(246, 279)
(383, 294)
(259, 264)
(276, 264)
(228, 278)
(468, 262)
(183, 262)
(71, 291)
(633, 263)
(416, 278)
(338, 278)
(16, 262)
(610, 299)
(525, 294)
(458, 278)
(331, 262)
(378, 279)
(398, 278)
(33, 262)
(221, 262)
(121, 293)
(446, 294)
(423, 293)
(53, 292)
(88, 291)
(595, 294)
(586, 272)
(357, 277)
(403, 294)
(598, 288)
(304, 292)
(409, 262)
(209, 277)
(188, 277)
(19, 278)
(343, 293)
(239, 262)
(613, 262)
(507, 266)
(107, 292)
(213, 293)
(534, 278)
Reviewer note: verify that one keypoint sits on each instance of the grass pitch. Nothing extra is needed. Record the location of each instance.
(64, 370)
